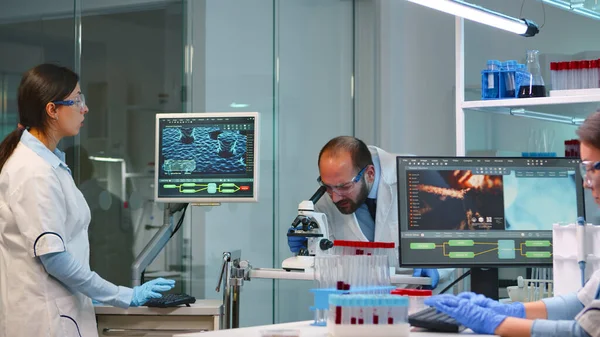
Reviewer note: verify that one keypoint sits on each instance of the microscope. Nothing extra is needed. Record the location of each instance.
(312, 226)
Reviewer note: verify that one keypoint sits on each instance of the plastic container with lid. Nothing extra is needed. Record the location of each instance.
(574, 73)
(509, 88)
(490, 80)
(593, 74)
(563, 75)
(554, 81)
(584, 71)
(416, 298)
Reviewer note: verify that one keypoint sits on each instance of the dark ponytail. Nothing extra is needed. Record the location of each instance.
(39, 86)
(8, 145)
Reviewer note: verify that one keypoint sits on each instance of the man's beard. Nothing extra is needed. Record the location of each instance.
(349, 206)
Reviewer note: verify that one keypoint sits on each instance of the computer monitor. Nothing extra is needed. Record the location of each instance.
(207, 157)
(484, 212)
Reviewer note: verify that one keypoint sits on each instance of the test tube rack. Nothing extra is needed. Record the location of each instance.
(379, 315)
(321, 296)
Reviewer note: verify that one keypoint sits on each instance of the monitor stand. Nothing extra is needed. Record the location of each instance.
(156, 244)
(484, 281)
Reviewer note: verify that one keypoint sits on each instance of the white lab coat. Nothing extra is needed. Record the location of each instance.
(589, 296)
(589, 318)
(591, 290)
(346, 227)
(41, 212)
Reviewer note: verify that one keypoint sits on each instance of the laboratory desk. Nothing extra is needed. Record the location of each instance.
(204, 315)
(306, 330)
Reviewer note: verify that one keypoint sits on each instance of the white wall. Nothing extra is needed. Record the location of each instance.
(416, 80)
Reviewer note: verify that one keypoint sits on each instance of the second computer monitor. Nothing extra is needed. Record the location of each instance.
(464, 211)
(207, 157)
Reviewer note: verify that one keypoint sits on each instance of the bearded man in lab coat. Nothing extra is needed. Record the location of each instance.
(361, 203)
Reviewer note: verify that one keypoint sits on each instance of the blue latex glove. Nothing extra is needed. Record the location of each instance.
(516, 309)
(149, 290)
(478, 319)
(296, 242)
(431, 273)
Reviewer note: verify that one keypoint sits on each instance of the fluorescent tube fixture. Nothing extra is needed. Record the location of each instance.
(482, 15)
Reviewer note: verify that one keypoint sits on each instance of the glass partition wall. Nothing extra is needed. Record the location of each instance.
(292, 61)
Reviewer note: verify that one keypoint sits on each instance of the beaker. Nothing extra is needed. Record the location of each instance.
(534, 85)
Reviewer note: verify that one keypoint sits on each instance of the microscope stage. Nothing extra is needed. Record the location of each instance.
(298, 263)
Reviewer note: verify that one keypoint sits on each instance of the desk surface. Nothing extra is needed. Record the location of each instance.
(306, 330)
(200, 308)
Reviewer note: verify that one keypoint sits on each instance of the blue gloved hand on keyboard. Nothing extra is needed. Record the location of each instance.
(431, 273)
(150, 289)
(296, 242)
(478, 319)
(516, 309)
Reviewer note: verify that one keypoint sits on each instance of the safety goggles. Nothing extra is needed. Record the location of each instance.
(79, 101)
(587, 169)
(345, 188)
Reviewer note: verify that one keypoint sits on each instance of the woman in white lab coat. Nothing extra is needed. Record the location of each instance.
(45, 279)
(572, 315)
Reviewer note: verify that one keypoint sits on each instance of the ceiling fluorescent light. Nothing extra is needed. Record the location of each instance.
(482, 15)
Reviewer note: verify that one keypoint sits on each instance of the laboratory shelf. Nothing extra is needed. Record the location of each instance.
(561, 109)
(528, 102)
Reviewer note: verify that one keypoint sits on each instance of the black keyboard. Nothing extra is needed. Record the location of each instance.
(432, 320)
(171, 300)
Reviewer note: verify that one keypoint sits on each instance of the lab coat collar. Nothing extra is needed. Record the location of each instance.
(387, 164)
(55, 159)
(376, 164)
